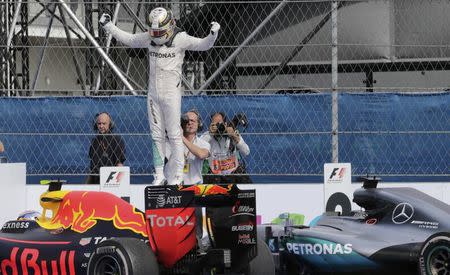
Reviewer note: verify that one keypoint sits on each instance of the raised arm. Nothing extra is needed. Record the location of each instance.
(202, 44)
(140, 40)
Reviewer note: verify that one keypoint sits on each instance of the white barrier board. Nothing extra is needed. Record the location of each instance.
(116, 180)
(13, 191)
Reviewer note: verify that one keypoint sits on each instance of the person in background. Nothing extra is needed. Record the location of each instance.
(2, 150)
(226, 153)
(196, 150)
(106, 149)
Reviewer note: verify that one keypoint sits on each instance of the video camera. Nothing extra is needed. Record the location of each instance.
(184, 120)
(239, 120)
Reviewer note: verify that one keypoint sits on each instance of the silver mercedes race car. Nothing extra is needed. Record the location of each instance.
(398, 231)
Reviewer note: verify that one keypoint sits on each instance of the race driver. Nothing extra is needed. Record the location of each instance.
(166, 45)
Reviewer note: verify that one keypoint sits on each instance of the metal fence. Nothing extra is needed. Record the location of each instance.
(54, 48)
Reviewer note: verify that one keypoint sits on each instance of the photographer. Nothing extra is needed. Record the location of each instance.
(225, 164)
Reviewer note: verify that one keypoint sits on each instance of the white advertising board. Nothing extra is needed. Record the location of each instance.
(337, 187)
(13, 191)
(116, 180)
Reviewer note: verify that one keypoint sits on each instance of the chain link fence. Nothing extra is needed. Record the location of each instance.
(320, 81)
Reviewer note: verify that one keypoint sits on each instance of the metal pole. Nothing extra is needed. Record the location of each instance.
(97, 46)
(8, 45)
(69, 42)
(136, 23)
(334, 82)
(243, 44)
(44, 47)
(6, 56)
(13, 24)
(108, 43)
(135, 16)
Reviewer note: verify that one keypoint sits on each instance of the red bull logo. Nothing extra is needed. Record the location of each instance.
(26, 261)
(80, 211)
(208, 189)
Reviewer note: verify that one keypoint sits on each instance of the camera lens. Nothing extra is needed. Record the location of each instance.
(220, 128)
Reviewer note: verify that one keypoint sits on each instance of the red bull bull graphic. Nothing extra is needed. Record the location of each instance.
(80, 211)
(26, 261)
(208, 189)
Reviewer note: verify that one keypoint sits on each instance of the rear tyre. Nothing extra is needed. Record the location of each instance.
(434, 256)
(263, 263)
(122, 256)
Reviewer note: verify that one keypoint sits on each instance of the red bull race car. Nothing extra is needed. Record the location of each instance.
(91, 232)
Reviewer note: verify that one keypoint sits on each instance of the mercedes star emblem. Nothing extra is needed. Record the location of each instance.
(402, 213)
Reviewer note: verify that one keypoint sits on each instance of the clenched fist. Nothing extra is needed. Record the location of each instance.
(215, 27)
(104, 19)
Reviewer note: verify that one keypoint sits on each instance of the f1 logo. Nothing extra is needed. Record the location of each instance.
(114, 176)
(337, 172)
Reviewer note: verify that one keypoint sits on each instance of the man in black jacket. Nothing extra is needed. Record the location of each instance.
(106, 148)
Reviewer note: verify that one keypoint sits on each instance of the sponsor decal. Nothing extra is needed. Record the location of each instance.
(243, 227)
(208, 189)
(161, 55)
(160, 201)
(163, 201)
(319, 248)
(246, 239)
(371, 221)
(98, 240)
(426, 225)
(273, 245)
(422, 266)
(163, 221)
(360, 214)
(402, 213)
(25, 260)
(247, 195)
(85, 241)
(15, 226)
(56, 231)
(238, 210)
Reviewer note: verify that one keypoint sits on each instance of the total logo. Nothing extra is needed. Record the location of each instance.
(94, 240)
(162, 200)
(164, 221)
(319, 248)
(246, 239)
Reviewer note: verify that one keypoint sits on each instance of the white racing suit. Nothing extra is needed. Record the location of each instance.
(164, 93)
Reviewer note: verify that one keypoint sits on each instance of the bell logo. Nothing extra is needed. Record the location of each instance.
(114, 178)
